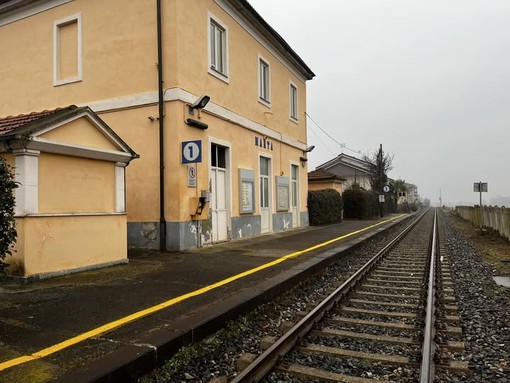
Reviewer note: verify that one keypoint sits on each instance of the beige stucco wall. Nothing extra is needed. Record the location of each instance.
(62, 243)
(142, 175)
(75, 226)
(75, 185)
(106, 75)
(114, 33)
(242, 154)
(326, 185)
(80, 132)
(241, 93)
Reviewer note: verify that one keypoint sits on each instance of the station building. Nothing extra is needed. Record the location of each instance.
(206, 92)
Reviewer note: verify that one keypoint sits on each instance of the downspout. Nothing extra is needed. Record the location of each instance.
(162, 219)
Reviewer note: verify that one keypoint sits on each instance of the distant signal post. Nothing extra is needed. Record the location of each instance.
(480, 187)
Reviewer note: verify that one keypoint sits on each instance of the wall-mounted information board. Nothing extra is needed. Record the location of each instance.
(282, 193)
(246, 191)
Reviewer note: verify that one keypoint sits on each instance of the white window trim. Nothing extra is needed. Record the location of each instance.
(79, 70)
(291, 164)
(262, 100)
(222, 76)
(27, 177)
(120, 187)
(271, 185)
(291, 117)
(228, 159)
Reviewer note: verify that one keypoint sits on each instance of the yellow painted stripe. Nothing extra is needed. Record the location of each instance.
(151, 310)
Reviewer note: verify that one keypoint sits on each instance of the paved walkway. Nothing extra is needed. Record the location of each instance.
(114, 321)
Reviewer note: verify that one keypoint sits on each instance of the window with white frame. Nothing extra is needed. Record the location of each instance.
(217, 49)
(293, 102)
(264, 82)
(67, 50)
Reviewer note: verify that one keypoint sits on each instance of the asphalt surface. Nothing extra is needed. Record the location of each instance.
(77, 328)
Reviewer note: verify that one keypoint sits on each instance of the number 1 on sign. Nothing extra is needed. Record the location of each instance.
(191, 151)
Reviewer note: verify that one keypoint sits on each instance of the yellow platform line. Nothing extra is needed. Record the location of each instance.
(151, 310)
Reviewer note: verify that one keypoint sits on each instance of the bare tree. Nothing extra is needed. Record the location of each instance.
(379, 164)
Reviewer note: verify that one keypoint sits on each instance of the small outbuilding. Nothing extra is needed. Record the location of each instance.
(70, 203)
(321, 179)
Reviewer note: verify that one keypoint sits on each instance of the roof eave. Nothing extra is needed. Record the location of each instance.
(30, 130)
(245, 8)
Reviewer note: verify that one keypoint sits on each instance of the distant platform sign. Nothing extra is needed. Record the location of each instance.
(479, 187)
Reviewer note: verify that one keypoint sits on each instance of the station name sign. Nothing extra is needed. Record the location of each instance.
(263, 142)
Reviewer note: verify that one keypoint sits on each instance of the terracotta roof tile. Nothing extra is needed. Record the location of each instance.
(321, 175)
(10, 123)
(26, 125)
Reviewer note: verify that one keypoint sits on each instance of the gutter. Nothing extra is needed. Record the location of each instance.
(161, 101)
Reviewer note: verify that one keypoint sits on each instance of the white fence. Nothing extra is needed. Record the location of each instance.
(496, 218)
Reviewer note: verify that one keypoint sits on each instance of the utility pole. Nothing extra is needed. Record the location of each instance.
(480, 187)
(381, 183)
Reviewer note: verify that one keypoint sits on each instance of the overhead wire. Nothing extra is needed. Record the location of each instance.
(322, 142)
(342, 145)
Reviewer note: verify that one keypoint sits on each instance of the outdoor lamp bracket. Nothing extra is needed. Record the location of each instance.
(200, 103)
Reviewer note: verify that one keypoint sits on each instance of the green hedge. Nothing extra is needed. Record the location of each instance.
(324, 207)
(360, 204)
(7, 224)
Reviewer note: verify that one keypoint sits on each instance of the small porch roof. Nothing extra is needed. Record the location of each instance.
(25, 132)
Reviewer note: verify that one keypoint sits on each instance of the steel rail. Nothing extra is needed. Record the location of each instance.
(263, 364)
(428, 349)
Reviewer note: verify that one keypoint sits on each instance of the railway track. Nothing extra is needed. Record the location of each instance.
(393, 320)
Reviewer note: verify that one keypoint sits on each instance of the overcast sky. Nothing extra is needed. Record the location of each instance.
(429, 80)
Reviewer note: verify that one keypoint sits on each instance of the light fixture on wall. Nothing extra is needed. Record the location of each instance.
(196, 123)
(199, 104)
(303, 159)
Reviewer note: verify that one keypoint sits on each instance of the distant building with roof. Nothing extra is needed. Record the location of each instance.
(355, 171)
(409, 195)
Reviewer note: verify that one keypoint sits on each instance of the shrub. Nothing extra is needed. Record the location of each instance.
(360, 204)
(7, 224)
(324, 207)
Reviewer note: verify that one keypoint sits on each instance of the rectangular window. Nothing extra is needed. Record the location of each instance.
(264, 82)
(293, 96)
(218, 49)
(294, 185)
(218, 156)
(264, 182)
(67, 50)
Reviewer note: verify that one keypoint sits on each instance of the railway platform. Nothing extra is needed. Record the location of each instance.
(109, 325)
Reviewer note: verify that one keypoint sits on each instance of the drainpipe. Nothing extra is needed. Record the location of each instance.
(162, 219)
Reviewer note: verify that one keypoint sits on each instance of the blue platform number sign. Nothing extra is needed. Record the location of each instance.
(191, 151)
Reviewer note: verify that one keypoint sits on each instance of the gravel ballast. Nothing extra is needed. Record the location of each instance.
(484, 310)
